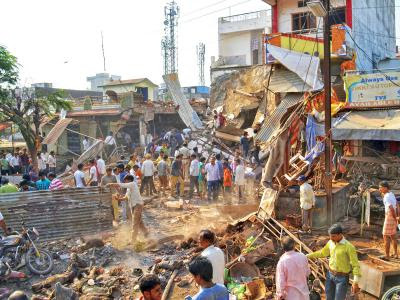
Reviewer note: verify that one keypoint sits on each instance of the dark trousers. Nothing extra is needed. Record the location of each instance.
(194, 182)
(148, 183)
(212, 190)
(336, 286)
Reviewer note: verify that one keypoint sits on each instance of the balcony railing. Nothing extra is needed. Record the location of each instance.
(242, 17)
(311, 41)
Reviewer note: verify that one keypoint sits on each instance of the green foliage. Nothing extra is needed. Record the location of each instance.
(87, 104)
(25, 109)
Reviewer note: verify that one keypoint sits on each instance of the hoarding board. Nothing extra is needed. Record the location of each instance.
(372, 90)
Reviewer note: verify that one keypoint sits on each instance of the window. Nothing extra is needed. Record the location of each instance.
(303, 21)
(337, 16)
(302, 3)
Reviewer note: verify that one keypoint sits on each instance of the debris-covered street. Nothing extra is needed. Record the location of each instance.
(260, 161)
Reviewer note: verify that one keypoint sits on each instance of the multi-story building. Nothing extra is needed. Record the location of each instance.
(364, 28)
(100, 79)
(240, 38)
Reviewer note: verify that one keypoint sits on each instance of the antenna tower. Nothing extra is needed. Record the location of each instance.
(169, 43)
(201, 52)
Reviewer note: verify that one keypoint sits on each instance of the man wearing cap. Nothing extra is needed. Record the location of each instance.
(307, 202)
(342, 261)
(390, 224)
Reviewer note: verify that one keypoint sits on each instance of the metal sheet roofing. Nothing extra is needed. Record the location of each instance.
(59, 214)
(272, 123)
(382, 125)
(56, 131)
(285, 81)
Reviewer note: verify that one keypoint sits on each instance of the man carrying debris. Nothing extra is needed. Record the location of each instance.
(307, 202)
(342, 261)
(150, 287)
(390, 225)
(135, 203)
(177, 176)
(213, 254)
(202, 272)
(291, 273)
(213, 179)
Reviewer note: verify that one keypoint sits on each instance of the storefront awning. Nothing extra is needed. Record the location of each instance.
(56, 131)
(381, 125)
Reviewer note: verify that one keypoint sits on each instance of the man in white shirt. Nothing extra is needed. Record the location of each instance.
(135, 203)
(307, 202)
(213, 254)
(85, 143)
(390, 225)
(15, 164)
(194, 173)
(110, 142)
(52, 161)
(93, 172)
(148, 170)
(240, 179)
(79, 177)
(101, 167)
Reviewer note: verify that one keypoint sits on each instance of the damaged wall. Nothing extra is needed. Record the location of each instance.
(249, 80)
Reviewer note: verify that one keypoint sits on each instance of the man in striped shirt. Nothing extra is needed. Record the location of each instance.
(56, 184)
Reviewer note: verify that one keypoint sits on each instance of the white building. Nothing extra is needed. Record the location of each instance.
(241, 38)
(100, 79)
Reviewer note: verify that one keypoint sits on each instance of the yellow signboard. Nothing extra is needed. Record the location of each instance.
(373, 90)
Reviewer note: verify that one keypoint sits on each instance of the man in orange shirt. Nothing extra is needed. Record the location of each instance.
(227, 183)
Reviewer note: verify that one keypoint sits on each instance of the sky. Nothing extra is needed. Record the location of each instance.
(59, 41)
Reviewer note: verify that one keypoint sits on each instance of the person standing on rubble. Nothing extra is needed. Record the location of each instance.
(110, 178)
(52, 161)
(94, 173)
(79, 177)
(184, 150)
(240, 179)
(213, 180)
(135, 203)
(202, 182)
(390, 225)
(163, 171)
(342, 261)
(177, 176)
(110, 143)
(291, 273)
(245, 144)
(148, 170)
(194, 175)
(101, 167)
(307, 202)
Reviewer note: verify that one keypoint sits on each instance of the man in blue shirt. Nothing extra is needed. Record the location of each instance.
(43, 183)
(202, 272)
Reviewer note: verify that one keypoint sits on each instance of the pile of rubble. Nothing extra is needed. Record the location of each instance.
(95, 269)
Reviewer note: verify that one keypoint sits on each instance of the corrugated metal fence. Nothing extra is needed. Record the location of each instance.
(59, 214)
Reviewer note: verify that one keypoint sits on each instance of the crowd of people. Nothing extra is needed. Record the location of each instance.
(19, 162)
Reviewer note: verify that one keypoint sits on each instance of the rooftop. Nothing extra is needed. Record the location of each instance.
(129, 81)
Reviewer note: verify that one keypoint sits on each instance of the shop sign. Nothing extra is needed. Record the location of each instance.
(373, 90)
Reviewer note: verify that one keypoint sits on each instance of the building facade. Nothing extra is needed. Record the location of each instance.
(100, 79)
(240, 38)
(143, 86)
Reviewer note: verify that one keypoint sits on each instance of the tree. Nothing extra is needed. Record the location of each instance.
(22, 106)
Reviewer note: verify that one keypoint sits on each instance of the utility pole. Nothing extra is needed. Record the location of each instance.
(102, 50)
(327, 87)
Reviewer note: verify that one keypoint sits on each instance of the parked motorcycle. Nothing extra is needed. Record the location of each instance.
(16, 246)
